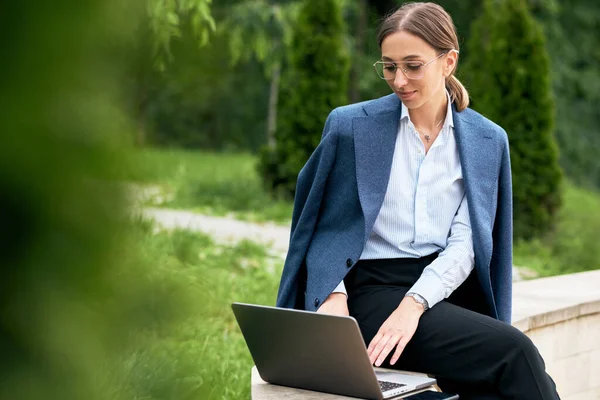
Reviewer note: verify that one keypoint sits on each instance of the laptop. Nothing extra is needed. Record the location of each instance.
(320, 352)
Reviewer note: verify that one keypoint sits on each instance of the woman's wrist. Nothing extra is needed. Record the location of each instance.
(338, 295)
(413, 305)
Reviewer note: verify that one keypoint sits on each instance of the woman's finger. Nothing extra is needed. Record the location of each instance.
(387, 349)
(374, 342)
(379, 347)
(399, 349)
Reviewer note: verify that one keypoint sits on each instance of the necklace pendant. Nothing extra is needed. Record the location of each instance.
(427, 138)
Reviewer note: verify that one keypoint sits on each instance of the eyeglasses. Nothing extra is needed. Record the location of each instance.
(411, 69)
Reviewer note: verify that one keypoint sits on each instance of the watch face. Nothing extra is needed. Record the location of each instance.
(419, 299)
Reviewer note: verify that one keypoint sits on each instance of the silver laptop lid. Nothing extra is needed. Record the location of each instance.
(312, 351)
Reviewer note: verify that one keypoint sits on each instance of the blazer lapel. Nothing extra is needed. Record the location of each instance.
(374, 142)
(479, 163)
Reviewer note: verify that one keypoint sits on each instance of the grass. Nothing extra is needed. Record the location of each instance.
(573, 246)
(213, 184)
(191, 347)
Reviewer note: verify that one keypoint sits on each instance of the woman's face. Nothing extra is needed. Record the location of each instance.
(401, 47)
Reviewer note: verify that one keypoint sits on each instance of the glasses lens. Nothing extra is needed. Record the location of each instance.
(413, 70)
(385, 70)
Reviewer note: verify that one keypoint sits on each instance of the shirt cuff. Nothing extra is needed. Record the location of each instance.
(431, 288)
(341, 288)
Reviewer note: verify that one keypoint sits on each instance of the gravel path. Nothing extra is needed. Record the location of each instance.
(222, 229)
(229, 230)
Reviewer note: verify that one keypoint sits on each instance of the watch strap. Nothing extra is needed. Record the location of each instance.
(419, 299)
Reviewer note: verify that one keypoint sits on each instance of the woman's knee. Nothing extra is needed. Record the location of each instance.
(517, 344)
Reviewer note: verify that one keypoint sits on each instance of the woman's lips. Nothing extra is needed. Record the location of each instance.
(406, 95)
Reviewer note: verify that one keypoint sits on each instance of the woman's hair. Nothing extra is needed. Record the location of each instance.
(434, 25)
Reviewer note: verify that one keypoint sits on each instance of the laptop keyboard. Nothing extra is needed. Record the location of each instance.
(385, 385)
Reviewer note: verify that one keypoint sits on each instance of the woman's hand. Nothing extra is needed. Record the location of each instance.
(396, 332)
(335, 304)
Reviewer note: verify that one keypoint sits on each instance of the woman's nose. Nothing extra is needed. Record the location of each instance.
(400, 79)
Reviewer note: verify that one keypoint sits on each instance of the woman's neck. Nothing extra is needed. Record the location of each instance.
(429, 115)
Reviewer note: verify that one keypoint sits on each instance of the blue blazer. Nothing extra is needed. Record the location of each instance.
(341, 188)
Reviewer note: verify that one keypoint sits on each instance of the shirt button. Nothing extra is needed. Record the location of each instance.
(349, 262)
(316, 302)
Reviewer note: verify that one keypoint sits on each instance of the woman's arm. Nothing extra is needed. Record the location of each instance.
(453, 265)
(307, 201)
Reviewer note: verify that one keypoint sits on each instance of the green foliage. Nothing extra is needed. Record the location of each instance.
(574, 243)
(151, 51)
(73, 277)
(261, 29)
(463, 14)
(314, 83)
(509, 82)
(573, 48)
(202, 101)
(58, 123)
(165, 23)
(573, 246)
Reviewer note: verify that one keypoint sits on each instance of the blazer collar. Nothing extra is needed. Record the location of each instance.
(385, 104)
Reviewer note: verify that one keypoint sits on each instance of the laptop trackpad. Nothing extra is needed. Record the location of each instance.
(398, 377)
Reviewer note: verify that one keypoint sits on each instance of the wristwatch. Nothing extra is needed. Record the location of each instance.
(419, 299)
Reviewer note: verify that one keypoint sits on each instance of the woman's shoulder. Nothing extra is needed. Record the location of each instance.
(474, 118)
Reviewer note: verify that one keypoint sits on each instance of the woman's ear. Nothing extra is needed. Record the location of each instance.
(450, 62)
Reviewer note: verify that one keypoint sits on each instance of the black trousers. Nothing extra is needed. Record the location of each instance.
(469, 353)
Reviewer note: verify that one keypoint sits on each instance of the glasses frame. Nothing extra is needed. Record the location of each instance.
(403, 70)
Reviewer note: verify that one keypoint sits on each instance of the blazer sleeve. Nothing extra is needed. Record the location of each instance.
(502, 236)
(310, 188)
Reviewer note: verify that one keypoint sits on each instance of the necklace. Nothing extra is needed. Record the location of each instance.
(427, 137)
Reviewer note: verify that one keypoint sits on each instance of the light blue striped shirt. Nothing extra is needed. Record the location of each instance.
(425, 211)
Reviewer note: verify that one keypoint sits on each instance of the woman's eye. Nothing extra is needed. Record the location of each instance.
(413, 67)
(389, 67)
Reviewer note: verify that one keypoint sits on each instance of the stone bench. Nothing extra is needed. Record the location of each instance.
(262, 390)
(561, 314)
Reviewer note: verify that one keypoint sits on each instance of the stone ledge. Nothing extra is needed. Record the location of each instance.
(262, 390)
(548, 301)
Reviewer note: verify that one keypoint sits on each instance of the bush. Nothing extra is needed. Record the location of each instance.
(575, 242)
(573, 246)
(81, 289)
(314, 84)
(508, 77)
(575, 68)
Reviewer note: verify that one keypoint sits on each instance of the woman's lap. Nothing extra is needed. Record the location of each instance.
(468, 353)
(454, 344)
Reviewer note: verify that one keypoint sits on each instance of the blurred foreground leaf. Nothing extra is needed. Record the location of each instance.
(78, 296)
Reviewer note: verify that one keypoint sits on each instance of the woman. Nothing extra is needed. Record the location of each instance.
(403, 219)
